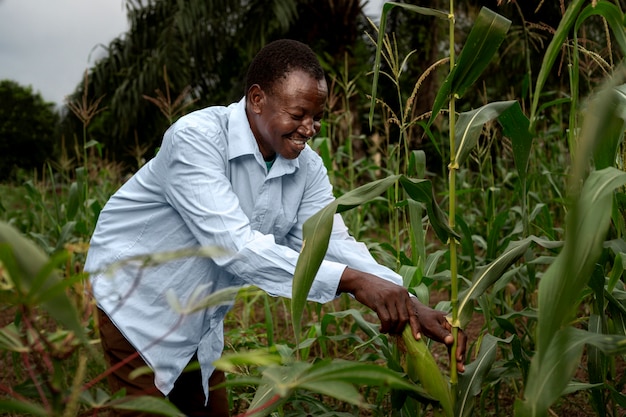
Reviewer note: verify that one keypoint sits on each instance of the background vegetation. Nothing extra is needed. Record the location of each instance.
(476, 148)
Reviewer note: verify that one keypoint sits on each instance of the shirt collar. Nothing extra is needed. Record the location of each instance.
(241, 142)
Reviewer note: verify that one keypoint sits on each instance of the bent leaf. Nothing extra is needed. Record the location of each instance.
(470, 381)
(487, 275)
(548, 380)
(470, 125)
(612, 121)
(28, 261)
(515, 126)
(481, 45)
(553, 52)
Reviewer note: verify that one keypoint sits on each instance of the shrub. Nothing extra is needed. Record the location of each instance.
(27, 127)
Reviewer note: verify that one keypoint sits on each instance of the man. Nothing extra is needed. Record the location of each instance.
(242, 178)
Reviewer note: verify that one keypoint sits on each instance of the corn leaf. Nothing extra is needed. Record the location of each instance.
(335, 378)
(487, 275)
(28, 262)
(10, 339)
(23, 407)
(355, 373)
(613, 16)
(515, 126)
(552, 53)
(613, 121)
(559, 347)
(481, 45)
(470, 125)
(567, 276)
(148, 404)
(229, 362)
(548, 380)
(470, 381)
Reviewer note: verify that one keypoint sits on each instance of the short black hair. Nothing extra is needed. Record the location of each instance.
(277, 59)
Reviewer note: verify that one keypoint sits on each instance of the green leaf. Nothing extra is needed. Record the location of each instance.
(231, 361)
(549, 379)
(10, 339)
(487, 275)
(470, 125)
(422, 191)
(553, 52)
(483, 41)
(559, 347)
(73, 201)
(355, 373)
(30, 261)
(515, 126)
(23, 407)
(97, 401)
(612, 14)
(612, 122)
(275, 388)
(596, 362)
(148, 404)
(587, 225)
(470, 381)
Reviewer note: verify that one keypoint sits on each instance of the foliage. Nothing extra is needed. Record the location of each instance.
(27, 128)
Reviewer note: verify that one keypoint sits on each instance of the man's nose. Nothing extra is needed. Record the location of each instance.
(307, 128)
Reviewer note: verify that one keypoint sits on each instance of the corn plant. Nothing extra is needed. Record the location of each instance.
(560, 345)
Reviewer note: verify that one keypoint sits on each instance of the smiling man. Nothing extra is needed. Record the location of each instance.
(243, 178)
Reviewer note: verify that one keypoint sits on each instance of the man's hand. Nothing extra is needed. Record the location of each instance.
(395, 309)
(434, 325)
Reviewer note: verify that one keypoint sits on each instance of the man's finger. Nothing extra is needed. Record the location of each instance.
(416, 328)
(384, 317)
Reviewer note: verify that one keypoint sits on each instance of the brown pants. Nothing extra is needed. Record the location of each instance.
(187, 394)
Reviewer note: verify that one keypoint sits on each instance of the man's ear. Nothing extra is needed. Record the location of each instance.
(256, 98)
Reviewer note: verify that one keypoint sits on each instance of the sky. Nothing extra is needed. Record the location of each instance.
(48, 44)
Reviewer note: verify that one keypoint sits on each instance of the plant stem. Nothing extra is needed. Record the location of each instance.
(454, 301)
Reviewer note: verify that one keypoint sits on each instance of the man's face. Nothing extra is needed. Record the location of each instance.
(283, 120)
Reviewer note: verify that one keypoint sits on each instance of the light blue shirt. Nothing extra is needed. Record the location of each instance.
(209, 186)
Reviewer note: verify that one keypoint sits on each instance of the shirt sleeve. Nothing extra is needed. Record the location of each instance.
(196, 185)
(342, 247)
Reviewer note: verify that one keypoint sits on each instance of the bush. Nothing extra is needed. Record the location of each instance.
(27, 127)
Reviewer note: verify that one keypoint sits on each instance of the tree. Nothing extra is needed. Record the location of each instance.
(27, 128)
(200, 46)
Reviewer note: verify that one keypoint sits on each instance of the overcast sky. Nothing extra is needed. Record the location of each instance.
(48, 44)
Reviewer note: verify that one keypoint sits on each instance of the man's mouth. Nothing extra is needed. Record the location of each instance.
(299, 141)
